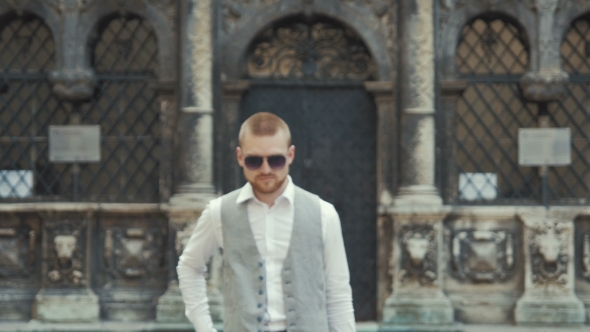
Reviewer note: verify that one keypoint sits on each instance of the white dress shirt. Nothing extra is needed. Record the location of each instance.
(271, 227)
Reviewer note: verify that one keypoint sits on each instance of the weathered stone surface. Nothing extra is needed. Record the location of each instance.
(67, 306)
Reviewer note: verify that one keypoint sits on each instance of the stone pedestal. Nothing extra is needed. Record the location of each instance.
(66, 296)
(61, 306)
(170, 307)
(417, 298)
(549, 297)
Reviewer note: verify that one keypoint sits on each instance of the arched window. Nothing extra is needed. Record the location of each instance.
(572, 184)
(492, 55)
(27, 108)
(124, 56)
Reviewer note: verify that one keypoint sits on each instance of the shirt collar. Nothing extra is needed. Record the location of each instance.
(247, 193)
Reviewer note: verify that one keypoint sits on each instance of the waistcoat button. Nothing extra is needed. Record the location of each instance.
(260, 292)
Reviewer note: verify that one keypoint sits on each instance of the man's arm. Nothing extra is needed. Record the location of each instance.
(192, 266)
(338, 292)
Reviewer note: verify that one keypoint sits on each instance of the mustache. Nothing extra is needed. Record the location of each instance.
(265, 176)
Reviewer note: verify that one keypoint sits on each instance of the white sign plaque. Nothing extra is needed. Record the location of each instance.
(74, 144)
(544, 146)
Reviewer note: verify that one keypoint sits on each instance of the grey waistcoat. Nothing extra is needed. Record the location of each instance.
(244, 273)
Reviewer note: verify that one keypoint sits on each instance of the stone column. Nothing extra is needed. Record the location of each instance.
(549, 296)
(546, 82)
(232, 94)
(170, 308)
(386, 139)
(196, 121)
(66, 296)
(450, 92)
(418, 301)
(417, 73)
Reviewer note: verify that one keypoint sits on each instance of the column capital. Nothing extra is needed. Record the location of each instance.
(545, 85)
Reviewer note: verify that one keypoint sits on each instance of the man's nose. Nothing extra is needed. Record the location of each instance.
(265, 168)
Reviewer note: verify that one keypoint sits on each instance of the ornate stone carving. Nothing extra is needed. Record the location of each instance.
(483, 255)
(548, 248)
(183, 234)
(418, 257)
(135, 252)
(17, 252)
(65, 249)
(545, 85)
(74, 85)
(320, 50)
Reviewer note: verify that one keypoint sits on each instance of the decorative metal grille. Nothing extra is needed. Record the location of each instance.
(126, 108)
(27, 108)
(311, 51)
(572, 184)
(492, 55)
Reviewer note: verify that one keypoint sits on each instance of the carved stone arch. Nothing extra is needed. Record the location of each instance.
(90, 21)
(568, 15)
(457, 19)
(49, 18)
(235, 46)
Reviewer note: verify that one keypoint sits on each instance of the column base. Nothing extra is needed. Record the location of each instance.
(170, 307)
(418, 195)
(67, 306)
(550, 310)
(190, 199)
(417, 309)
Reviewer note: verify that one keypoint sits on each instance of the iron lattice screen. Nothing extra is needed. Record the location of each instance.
(572, 184)
(492, 55)
(27, 108)
(126, 108)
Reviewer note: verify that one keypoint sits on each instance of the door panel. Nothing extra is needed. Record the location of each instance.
(334, 131)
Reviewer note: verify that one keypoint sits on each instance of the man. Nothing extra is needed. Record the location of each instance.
(284, 264)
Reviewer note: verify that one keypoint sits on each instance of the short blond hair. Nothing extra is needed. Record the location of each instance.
(264, 124)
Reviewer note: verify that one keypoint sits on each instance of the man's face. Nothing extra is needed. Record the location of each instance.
(265, 179)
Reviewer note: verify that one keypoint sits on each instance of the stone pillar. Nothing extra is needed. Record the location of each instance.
(418, 301)
(232, 94)
(546, 82)
(66, 296)
(386, 139)
(417, 73)
(549, 296)
(170, 308)
(196, 121)
(450, 92)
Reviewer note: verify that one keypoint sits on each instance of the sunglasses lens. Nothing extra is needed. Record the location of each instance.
(253, 162)
(276, 162)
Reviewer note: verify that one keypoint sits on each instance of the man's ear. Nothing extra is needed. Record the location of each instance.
(239, 156)
(291, 154)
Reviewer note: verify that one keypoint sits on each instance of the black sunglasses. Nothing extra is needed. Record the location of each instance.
(275, 162)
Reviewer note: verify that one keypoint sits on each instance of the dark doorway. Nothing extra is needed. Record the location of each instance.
(334, 130)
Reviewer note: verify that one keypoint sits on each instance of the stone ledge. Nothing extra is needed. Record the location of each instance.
(36, 326)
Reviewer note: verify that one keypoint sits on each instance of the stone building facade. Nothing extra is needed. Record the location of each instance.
(405, 114)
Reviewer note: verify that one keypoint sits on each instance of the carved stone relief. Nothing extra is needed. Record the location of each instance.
(17, 252)
(65, 247)
(483, 255)
(418, 256)
(549, 256)
(135, 253)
